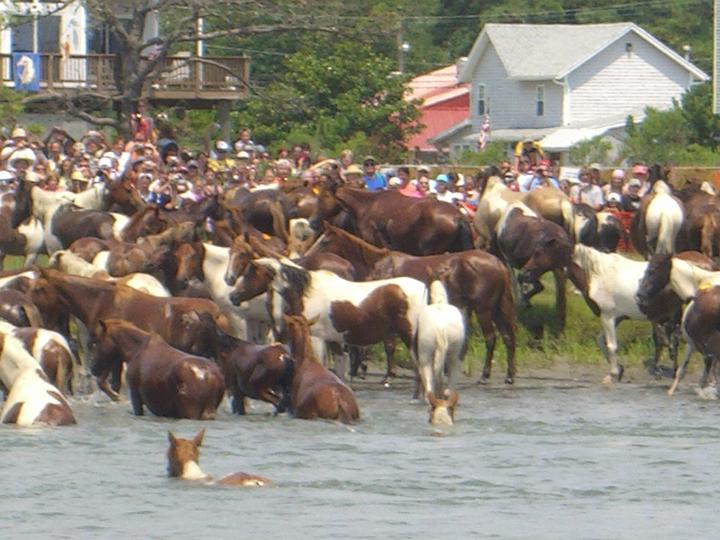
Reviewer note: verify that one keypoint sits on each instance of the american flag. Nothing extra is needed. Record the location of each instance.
(484, 132)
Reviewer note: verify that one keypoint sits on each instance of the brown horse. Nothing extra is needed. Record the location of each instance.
(475, 280)
(168, 381)
(183, 462)
(701, 229)
(251, 371)
(392, 220)
(316, 392)
(120, 258)
(18, 308)
(536, 245)
(176, 320)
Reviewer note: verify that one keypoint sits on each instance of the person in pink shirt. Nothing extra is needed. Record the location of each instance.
(407, 188)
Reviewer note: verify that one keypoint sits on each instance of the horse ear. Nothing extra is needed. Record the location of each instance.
(197, 441)
(102, 325)
(172, 438)
(432, 399)
(312, 321)
(190, 318)
(452, 397)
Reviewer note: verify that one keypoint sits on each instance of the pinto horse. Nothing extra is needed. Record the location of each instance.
(475, 280)
(535, 246)
(31, 398)
(349, 313)
(392, 220)
(168, 381)
(316, 392)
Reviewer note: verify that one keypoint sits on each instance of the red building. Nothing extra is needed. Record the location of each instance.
(445, 104)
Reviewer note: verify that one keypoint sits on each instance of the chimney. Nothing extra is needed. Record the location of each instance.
(459, 65)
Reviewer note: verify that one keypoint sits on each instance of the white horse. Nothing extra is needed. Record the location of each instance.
(31, 398)
(611, 282)
(663, 219)
(440, 341)
(347, 312)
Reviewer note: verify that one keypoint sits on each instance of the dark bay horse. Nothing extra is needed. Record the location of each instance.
(475, 280)
(535, 245)
(392, 220)
(166, 380)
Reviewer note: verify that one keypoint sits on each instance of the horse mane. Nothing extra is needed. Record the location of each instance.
(368, 252)
(298, 279)
(661, 187)
(591, 260)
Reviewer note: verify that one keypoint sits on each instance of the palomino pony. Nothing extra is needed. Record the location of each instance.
(168, 381)
(535, 246)
(475, 280)
(31, 398)
(392, 220)
(183, 462)
(442, 410)
(349, 313)
(657, 223)
(316, 392)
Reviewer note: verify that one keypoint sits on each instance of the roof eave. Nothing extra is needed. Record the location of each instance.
(466, 72)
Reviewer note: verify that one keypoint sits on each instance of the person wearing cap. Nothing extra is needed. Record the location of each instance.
(614, 201)
(529, 150)
(373, 180)
(632, 198)
(222, 159)
(616, 184)
(442, 191)
(640, 172)
(79, 181)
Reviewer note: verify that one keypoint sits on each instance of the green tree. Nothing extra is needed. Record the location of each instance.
(334, 96)
(697, 112)
(595, 150)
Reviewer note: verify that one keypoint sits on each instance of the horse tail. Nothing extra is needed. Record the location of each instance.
(465, 235)
(505, 318)
(32, 316)
(439, 356)
(347, 411)
(568, 217)
(707, 234)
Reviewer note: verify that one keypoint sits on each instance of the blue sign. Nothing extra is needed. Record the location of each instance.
(26, 67)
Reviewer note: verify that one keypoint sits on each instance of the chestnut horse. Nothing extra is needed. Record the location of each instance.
(475, 280)
(316, 392)
(168, 381)
(183, 462)
(392, 220)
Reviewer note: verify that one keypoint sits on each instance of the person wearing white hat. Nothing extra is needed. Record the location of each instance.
(616, 184)
(21, 160)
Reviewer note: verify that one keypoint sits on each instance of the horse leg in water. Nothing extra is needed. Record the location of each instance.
(488, 331)
(560, 297)
(389, 345)
(680, 372)
(504, 319)
(659, 341)
(611, 347)
(358, 361)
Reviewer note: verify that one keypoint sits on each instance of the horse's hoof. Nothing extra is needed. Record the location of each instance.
(620, 372)
(483, 380)
(608, 379)
(509, 380)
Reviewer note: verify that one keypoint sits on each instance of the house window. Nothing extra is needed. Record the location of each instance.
(540, 100)
(48, 36)
(483, 101)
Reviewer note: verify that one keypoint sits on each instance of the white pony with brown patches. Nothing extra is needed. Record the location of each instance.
(184, 455)
(31, 399)
(50, 349)
(440, 340)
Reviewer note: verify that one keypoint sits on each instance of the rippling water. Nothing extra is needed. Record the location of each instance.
(545, 459)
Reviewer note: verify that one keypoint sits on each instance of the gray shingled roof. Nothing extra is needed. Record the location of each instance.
(543, 51)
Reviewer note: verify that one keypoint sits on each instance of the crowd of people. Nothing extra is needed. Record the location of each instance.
(170, 176)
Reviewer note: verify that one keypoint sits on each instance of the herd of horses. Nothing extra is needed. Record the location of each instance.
(254, 294)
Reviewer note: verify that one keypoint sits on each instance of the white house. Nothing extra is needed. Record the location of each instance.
(561, 84)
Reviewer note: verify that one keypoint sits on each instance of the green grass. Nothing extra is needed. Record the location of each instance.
(577, 345)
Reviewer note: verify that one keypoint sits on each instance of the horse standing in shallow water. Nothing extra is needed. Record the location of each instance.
(316, 392)
(168, 381)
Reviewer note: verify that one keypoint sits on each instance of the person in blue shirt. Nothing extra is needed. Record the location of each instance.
(373, 180)
(542, 177)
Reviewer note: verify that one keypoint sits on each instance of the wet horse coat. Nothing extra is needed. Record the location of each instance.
(166, 380)
(31, 398)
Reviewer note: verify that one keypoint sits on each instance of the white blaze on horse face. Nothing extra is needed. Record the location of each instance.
(119, 224)
(199, 373)
(441, 416)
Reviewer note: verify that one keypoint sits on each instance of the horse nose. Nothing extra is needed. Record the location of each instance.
(230, 279)
(235, 298)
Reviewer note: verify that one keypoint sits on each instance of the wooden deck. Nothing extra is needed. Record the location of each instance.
(183, 77)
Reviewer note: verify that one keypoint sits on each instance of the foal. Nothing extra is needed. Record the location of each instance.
(183, 456)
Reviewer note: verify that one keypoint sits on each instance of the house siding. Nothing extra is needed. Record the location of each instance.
(512, 102)
(615, 82)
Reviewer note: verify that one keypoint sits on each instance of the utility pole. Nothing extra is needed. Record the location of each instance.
(716, 57)
(403, 47)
